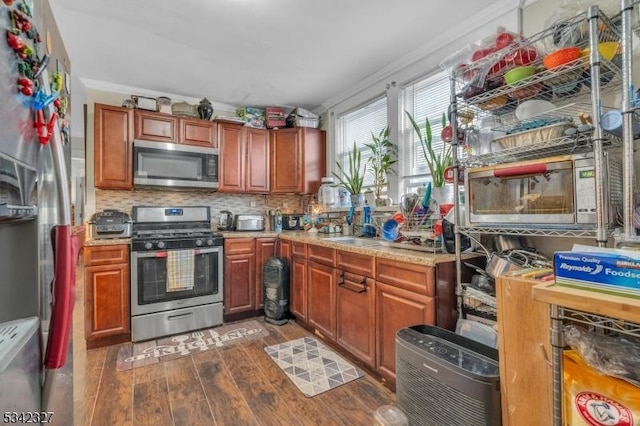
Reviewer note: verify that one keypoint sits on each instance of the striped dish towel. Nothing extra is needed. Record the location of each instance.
(180, 270)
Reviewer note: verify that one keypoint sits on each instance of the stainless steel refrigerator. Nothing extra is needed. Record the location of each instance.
(37, 249)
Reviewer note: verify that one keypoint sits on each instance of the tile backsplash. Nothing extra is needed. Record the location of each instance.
(236, 203)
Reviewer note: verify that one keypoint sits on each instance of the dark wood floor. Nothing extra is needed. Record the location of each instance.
(235, 385)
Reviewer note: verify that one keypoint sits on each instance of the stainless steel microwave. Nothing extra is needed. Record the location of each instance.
(174, 166)
(551, 191)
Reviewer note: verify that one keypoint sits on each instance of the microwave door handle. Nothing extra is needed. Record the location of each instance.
(522, 170)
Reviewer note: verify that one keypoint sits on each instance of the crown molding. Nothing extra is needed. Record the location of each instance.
(130, 90)
(457, 32)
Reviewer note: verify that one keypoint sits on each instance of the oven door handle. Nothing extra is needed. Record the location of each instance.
(163, 254)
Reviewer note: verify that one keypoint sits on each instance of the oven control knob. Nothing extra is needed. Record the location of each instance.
(160, 244)
(209, 242)
(148, 246)
(198, 242)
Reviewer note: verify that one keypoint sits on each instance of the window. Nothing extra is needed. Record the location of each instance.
(428, 97)
(356, 126)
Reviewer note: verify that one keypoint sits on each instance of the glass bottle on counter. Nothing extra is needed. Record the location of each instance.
(327, 194)
(278, 221)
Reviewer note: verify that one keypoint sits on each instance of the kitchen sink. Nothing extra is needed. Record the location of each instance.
(354, 241)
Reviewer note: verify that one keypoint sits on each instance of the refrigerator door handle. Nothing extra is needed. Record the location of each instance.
(65, 252)
(65, 258)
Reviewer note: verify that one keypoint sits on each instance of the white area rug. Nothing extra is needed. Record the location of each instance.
(311, 366)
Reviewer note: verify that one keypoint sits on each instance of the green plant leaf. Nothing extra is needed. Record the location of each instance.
(437, 162)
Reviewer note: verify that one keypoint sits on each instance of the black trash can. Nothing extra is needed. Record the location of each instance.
(275, 290)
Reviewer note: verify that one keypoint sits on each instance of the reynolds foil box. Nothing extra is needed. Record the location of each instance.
(599, 269)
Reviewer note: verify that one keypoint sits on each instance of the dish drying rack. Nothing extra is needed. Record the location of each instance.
(420, 230)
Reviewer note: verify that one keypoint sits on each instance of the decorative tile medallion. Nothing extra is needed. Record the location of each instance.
(311, 366)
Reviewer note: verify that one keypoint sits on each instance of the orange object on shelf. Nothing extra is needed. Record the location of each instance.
(561, 57)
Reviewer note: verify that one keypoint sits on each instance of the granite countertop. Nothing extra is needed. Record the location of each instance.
(400, 254)
(385, 251)
(249, 234)
(107, 242)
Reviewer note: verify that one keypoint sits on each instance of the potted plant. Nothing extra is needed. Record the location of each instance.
(352, 178)
(383, 157)
(437, 161)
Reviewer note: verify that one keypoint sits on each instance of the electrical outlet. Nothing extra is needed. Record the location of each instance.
(252, 203)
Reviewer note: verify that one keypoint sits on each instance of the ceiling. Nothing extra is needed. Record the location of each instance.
(252, 52)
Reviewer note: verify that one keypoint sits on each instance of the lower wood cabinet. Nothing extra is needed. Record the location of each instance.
(244, 260)
(239, 275)
(405, 296)
(107, 295)
(284, 249)
(321, 299)
(397, 308)
(298, 289)
(356, 316)
(523, 339)
(265, 249)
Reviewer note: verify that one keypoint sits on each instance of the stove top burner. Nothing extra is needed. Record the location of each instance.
(151, 236)
(173, 233)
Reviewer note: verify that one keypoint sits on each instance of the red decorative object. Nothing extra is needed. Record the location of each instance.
(43, 129)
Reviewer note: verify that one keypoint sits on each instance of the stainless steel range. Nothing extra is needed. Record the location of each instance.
(176, 271)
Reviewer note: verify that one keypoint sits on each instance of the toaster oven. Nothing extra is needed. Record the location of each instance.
(554, 191)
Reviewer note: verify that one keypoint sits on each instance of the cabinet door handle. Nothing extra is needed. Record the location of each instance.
(360, 280)
(354, 287)
(544, 355)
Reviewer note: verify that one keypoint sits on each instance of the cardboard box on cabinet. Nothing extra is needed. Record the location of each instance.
(599, 269)
(253, 117)
(275, 117)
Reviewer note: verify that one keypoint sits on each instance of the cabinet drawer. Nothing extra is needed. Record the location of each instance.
(299, 249)
(419, 279)
(356, 263)
(106, 255)
(239, 246)
(323, 255)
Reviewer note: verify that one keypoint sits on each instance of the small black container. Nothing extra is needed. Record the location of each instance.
(205, 109)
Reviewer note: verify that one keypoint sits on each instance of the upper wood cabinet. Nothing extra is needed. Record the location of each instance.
(155, 126)
(198, 132)
(257, 160)
(231, 157)
(244, 159)
(113, 152)
(298, 160)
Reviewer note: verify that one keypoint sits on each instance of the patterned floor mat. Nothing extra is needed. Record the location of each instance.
(311, 366)
(140, 354)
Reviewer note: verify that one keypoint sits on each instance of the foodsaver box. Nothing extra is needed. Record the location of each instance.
(599, 269)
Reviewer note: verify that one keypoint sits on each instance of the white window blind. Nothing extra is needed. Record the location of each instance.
(428, 97)
(357, 126)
